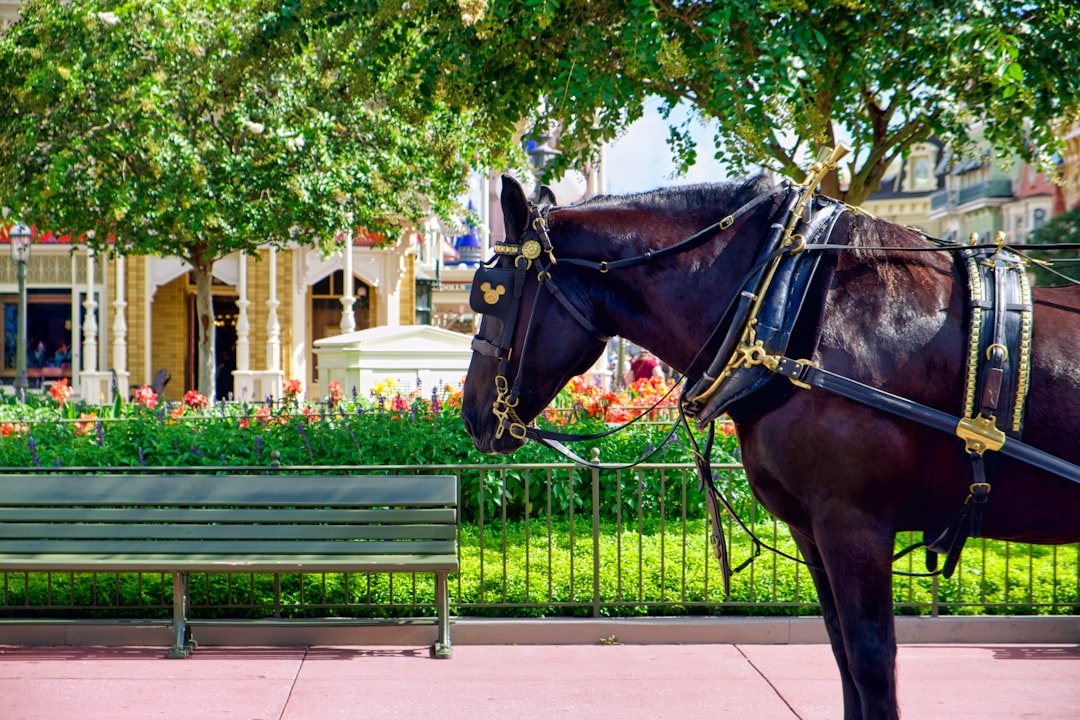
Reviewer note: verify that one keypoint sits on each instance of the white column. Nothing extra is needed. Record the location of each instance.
(268, 382)
(96, 386)
(393, 260)
(273, 327)
(243, 379)
(348, 296)
(120, 329)
(485, 216)
(243, 326)
(90, 326)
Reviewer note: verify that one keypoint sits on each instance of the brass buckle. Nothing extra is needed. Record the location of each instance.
(980, 434)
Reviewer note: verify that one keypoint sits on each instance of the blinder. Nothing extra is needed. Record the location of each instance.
(492, 292)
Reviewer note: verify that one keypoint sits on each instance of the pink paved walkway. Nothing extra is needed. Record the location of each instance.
(622, 682)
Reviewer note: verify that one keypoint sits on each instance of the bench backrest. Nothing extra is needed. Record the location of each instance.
(393, 518)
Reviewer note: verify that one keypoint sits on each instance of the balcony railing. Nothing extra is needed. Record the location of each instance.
(988, 189)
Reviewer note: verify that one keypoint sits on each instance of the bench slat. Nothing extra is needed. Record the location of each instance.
(152, 533)
(10, 549)
(358, 516)
(248, 563)
(224, 490)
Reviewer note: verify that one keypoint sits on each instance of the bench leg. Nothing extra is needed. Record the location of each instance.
(442, 648)
(183, 643)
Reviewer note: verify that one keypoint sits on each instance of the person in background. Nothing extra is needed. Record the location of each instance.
(644, 365)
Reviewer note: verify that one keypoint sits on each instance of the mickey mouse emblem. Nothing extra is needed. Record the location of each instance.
(492, 294)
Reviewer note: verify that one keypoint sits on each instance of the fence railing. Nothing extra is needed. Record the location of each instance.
(559, 539)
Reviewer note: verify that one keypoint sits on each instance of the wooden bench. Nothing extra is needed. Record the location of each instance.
(232, 524)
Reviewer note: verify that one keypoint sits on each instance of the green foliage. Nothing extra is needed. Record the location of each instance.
(526, 534)
(1065, 264)
(338, 432)
(534, 570)
(780, 78)
(180, 128)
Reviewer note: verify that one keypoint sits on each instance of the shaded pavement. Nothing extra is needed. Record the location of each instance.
(624, 682)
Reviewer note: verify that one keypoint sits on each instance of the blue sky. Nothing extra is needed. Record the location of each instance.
(640, 160)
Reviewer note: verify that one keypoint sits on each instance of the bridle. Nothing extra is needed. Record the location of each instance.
(499, 292)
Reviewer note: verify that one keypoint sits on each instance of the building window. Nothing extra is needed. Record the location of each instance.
(423, 302)
(1038, 218)
(48, 335)
(921, 174)
(326, 310)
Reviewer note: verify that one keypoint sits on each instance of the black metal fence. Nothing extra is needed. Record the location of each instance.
(558, 539)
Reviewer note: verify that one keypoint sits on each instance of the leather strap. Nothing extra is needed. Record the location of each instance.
(802, 371)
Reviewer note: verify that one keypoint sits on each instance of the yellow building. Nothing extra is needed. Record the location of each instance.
(1071, 166)
(111, 325)
(906, 190)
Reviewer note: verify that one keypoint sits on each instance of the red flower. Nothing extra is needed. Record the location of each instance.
(146, 396)
(334, 388)
(291, 387)
(195, 399)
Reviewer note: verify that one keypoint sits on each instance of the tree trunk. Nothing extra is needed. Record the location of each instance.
(206, 367)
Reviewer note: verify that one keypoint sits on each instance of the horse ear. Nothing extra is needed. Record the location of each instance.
(545, 196)
(515, 208)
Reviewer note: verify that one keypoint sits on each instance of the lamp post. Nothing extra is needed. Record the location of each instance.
(541, 153)
(20, 253)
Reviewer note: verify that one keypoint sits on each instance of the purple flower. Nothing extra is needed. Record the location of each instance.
(32, 444)
(304, 437)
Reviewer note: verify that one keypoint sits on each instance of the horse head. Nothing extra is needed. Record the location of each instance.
(568, 278)
(535, 335)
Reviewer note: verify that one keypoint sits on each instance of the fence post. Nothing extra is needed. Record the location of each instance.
(935, 599)
(596, 533)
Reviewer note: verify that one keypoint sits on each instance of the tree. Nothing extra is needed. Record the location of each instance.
(1063, 229)
(781, 78)
(153, 128)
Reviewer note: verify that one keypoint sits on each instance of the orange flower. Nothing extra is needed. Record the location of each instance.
(334, 388)
(12, 429)
(60, 391)
(291, 387)
(85, 423)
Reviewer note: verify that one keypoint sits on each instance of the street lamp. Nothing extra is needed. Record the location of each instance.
(540, 153)
(20, 253)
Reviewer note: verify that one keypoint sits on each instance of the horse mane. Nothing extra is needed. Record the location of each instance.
(688, 199)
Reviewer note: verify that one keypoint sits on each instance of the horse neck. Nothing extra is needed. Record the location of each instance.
(671, 305)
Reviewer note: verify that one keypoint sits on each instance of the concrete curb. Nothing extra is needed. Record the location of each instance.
(544, 631)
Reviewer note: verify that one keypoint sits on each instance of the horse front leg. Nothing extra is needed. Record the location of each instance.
(856, 553)
(852, 703)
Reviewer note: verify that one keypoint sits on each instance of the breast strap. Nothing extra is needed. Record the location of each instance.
(778, 299)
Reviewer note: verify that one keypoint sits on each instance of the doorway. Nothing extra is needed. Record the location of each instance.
(225, 314)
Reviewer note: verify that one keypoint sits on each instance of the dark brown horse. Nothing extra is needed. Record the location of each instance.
(844, 476)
